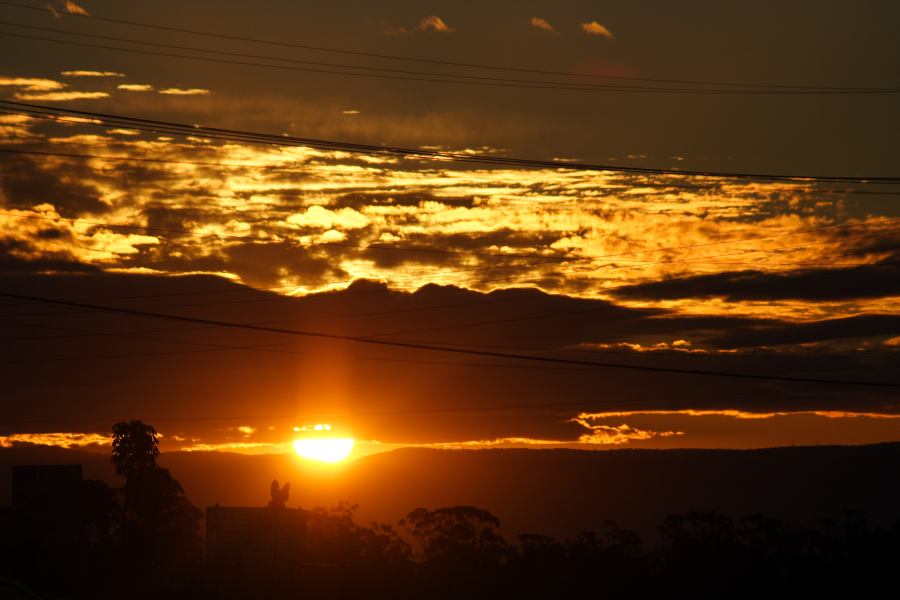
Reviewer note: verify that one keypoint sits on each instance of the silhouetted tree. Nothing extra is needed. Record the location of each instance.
(98, 512)
(458, 536)
(159, 523)
(135, 448)
(333, 535)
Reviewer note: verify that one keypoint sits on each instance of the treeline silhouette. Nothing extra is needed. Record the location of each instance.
(145, 540)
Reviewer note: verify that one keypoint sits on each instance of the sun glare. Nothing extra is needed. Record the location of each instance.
(330, 450)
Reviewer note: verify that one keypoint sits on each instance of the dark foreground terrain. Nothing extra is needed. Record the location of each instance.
(555, 492)
(821, 521)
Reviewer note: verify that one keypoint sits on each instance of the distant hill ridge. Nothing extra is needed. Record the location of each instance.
(557, 492)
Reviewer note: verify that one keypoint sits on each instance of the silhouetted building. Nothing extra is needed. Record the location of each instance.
(46, 504)
(46, 489)
(251, 536)
(42, 531)
(255, 550)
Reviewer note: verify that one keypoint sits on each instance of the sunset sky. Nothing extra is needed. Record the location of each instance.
(677, 278)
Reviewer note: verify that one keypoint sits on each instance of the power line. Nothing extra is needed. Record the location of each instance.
(305, 168)
(437, 348)
(283, 140)
(272, 348)
(418, 59)
(435, 410)
(407, 75)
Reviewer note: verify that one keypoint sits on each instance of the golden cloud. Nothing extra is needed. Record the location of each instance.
(62, 96)
(60, 440)
(595, 28)
(434, 23)
(31, 84)
(135, 87)
(184, 92)
(320, 217)
(541, 23)
(735, 414)
(92, 74)
(75, 9)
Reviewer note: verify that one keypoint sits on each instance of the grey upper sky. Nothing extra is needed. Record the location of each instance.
(827, 43)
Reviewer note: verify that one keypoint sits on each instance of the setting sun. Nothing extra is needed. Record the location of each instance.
(329, 450)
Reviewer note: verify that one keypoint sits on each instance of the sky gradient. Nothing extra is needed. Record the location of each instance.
(786, 279)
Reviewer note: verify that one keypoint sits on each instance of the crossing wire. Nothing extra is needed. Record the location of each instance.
(482, 66)
(438, 348)
(480, 158)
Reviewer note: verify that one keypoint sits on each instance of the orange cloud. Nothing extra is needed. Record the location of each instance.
(544, 24)
(60, 440)
(185, 92)
(736, 414)
(615, 435)
(31, 84)
(75, 9)
(92, 74)
(135, 87)
(435, 23)
(62, 96)
(595, 28)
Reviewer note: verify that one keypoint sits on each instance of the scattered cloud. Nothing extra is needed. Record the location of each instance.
(319, 217)
(75, 9)
(595, 28)
(120, 131)
(734, 414)
(615, 435)
(62, 96)
(135, 87)
(434, 23)
(541, 23)
(92, 74)
(31, 84)
(60, 440)
(184, 92)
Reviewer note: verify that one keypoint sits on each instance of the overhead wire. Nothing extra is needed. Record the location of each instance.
(344, 51)
(432, 410)
(438, 348)
(480, 158)
(307, 168)
(416, 76)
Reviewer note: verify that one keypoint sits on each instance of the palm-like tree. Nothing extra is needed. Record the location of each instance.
(135, 448)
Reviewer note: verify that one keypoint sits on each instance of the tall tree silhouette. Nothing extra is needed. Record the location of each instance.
(135, 448)
(159, 523)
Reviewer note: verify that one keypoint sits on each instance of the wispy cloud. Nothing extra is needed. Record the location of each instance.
(60, 440)
(63, 96)
(595, 28)
(58, 9)
(434, 23)
(615, 435)
(731, 413)
(75, 9)
(135, 87)
(120, 131)
(185, 92)
(31, 84)
(544, 24)
(92, 74)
